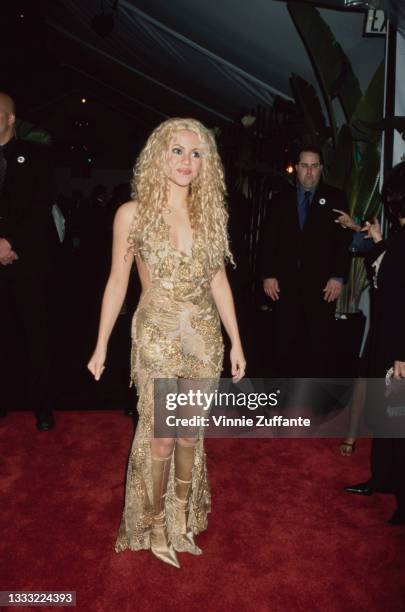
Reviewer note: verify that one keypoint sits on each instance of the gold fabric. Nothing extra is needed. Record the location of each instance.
(176, 334)
(160, 544)
(183, 466)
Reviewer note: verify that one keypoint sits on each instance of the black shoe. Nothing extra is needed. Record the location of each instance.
(130, 412)
(398, 518)
(45, 422)
(363, 488)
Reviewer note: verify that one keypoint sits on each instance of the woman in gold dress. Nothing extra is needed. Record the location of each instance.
(175, 228)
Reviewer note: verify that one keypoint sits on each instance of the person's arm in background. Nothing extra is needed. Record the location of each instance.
(346, 221)
(33, 226)
(372, 232)
(397, 308)
(341, 256)
(268, 250)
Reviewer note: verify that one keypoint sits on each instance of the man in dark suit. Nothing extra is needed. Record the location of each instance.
(26, 239)
(304, 262)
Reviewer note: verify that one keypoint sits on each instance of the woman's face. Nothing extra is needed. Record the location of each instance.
(184, 158)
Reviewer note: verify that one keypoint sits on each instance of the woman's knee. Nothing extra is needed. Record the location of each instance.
(162, 447)
(187, 441)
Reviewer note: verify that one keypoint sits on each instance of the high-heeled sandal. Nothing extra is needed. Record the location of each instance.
(184, 541)
(160, 545)
(347, 448)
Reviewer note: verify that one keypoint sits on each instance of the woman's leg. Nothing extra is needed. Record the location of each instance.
(184, 458)
(184, 453)
(161, 457)
(183, 465)
(357, 405)
(398, 517)
(162, 447)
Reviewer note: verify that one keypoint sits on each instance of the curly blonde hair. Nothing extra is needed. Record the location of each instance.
(207, 208)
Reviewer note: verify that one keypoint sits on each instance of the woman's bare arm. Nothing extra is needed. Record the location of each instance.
(116, 287)
(222, 294)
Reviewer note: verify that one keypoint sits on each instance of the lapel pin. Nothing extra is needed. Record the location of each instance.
(322, 201)
(21, 159)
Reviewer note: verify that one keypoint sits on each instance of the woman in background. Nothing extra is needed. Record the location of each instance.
(387, 346)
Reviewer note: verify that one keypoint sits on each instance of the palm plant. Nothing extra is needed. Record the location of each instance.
(352, 152)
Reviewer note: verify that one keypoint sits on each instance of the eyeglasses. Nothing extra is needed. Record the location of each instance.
(308, 166)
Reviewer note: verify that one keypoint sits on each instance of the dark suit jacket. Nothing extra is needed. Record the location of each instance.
(387, 342)
(26, 202)
(306, 259)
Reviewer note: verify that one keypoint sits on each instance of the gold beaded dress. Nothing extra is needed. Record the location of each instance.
(176, 334)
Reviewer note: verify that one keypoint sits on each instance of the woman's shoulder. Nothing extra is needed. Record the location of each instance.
(126, 213)
(128, 209)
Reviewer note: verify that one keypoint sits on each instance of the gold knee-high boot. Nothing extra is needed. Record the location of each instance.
(159, 541)
(183, 463)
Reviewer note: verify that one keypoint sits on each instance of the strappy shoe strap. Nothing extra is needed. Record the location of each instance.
(161, 458)
(182, 489)
(183, 481)
(181, 502)
(159, 520)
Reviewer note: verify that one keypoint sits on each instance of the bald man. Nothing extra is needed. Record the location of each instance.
(26, 240)
(7, 119)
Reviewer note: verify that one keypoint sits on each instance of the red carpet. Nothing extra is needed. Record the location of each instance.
(282, 536)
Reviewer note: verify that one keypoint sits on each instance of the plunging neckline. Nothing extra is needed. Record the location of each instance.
(179, 251)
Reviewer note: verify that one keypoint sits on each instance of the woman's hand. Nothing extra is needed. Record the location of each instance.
(373, 230)
(238, 363)
(96, 363)
(345, 220)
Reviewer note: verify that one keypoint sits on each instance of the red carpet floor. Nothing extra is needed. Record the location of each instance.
(282, 535)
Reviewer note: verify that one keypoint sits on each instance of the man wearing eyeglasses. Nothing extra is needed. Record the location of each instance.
(304, 262)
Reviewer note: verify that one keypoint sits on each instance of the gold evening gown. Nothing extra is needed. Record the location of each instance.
(176, 334)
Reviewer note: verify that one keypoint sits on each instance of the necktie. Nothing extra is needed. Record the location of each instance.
(3, 168)
(303, 209)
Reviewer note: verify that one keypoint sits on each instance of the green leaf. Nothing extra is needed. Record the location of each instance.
(307, 99)
(366, 187)
(388, 123)
(332, 67)
(349, 299)
(370, 109)
(30, 133)
(342, 165)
